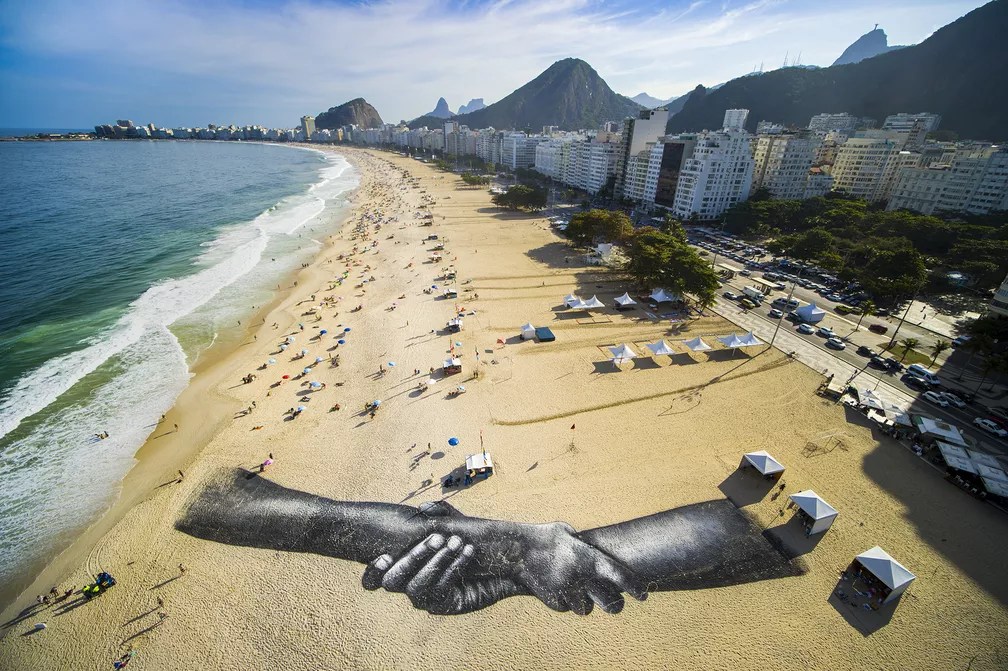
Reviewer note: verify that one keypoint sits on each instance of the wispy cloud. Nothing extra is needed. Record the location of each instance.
(271, 62)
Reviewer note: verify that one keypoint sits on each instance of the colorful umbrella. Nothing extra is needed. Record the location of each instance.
(306, 371)
(453, 441)
(341, 341)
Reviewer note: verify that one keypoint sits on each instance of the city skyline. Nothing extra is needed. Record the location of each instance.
(265, 62)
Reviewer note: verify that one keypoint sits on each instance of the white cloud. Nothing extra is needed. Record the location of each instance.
(272, 64)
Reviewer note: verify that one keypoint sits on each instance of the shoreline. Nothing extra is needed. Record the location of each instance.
(154, 462)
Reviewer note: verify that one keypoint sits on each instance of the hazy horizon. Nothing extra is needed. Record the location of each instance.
(74, 64)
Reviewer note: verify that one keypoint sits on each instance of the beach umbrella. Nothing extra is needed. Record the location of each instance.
(376, 402)
(318, 359)
(458, 344)
(323, 332)
(268, 462)
(271, 361)
(341, 341)
(391, 364)
(286, 377)
(301, 408)
(431, 381)
(283, 347)
(315, 385)
(306, 371)
(304, 351)
(660, 348)
(346, 330)
(453, 441)
(622, 354)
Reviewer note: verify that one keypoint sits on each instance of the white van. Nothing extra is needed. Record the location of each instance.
(922, 372)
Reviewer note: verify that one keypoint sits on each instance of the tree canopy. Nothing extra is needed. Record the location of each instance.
(605, 225)
(657, 259)
(520, 197)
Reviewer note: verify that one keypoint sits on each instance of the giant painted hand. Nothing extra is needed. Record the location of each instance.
(445, 575)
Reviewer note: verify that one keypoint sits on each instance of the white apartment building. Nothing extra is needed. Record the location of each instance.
(488, 145)
(826, 122)
(867, 167)
(782, 164)
(974, 181)
(818, 183)
(717, 175)
(904, 122)
(636, 174)
(518, 150)
(735, 119)
(999, 306)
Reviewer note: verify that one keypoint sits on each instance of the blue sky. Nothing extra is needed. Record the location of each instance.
(74, 63)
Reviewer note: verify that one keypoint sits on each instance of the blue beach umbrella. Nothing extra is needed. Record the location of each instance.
(391, 364)
(346, 330)
(318, 359)
(453, 441)
(304, 351)
(458, 344)
(271, 361)
(323, 332)
(306, 371)
(315, 385)
(341, 341)
(301, 408)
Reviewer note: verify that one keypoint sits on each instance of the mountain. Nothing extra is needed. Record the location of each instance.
(441, 110)
(953, 72)
(645, 100)
(474, 104)
(867, 46)
(357, 111)
(568, 94)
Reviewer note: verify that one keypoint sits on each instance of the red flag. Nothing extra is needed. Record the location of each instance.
(572, 427)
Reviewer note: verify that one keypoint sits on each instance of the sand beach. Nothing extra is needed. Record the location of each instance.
(573, 438)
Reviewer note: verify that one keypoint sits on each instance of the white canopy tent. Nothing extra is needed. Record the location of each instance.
(956, 457)
(869, 398)
(659, 296)
(811, 313)
(624, 301)
(935, 428)
(622, 354)
(978, 457)
(762, 462)
(570, 300)
(821, 513)
(660, 348)
(697, 344)
(528, 331)
(478, 461)
(749, 340)
(592, 303)
(999, 487)
(890, 572)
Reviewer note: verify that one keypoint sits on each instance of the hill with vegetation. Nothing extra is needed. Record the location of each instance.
(357, 111)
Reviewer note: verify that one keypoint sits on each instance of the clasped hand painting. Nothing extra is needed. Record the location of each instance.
(448, 563)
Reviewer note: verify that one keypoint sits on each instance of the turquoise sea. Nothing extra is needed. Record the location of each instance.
(122, 263)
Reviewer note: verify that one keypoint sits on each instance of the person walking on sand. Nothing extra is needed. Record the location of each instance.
(182, 569)
(176, 428)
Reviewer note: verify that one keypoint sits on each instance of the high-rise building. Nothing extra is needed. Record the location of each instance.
(999, 306)
(867, 167)
(904, 122)
(735, 119)
(717, 175)
(638, 132)
(826, 122)
(975, 181)
(769, 128)
(782, 164)
(308, 126)
(668, 157)
(518, 150)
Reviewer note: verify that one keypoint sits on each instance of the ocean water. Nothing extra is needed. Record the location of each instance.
(122, 262)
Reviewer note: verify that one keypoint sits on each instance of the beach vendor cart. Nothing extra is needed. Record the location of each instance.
(455, 325)
(479, 466)
(452, 366)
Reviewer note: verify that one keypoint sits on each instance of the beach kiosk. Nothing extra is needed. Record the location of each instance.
(767, 466)
(885, 577)
(479, 465)
(452, 366)
(816, 514)
(455, 325)
(450, 292)
(528, 331)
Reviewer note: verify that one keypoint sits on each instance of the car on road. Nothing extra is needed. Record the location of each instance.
(775, 314)
(864, 350)
(952, 399)
(878, 361)
(960, 341)
(835, 343)
(878, 328)
(825, 332)
(843, 309)
(894, 366)
(990, 427)
(807, 329)
(730, 295)
(748, 304)
(745, 273)
(916, 382)
(833, 297)
(936, 398)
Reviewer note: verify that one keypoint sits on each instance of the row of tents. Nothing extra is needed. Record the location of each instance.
(624, 302)
(875, 564)
(623, 353)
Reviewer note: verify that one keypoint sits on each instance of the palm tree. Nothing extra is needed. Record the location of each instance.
(867, 308)
(937, 348)
(906, 345)
(992, 363)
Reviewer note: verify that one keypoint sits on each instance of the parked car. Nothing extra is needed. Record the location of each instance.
(825, 332)
(864, 350)
(936, 398)
(848, 309)
(730, 295)
(835, 343)
(807, 329)
(921, 371)
(748, 303)
(916, 382)
(775, 314)
(878, 328)
(961, 340)
(990, 427)
(952, 399)
(745, 273)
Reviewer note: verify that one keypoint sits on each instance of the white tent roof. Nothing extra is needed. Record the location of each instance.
(661, 348)
(625, 300)
(622, 353)
(936, 427)
(570, 300)
(477, 461)
(528, 327)
(810, 310)
(989, 473)
(978, 457)
(763, 462)
(885, 568)
(956, 457)
(697, 344)
(659, 296)
(749, 340)
(452, 362)
(592, 303)
(732, 341)
(871, 399)
(998, 487)
(813, 505)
